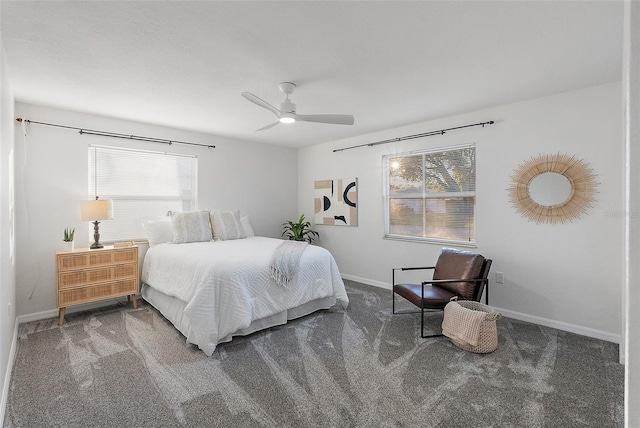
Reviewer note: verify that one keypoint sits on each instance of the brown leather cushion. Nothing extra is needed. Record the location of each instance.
(434, 297)
(455, 264)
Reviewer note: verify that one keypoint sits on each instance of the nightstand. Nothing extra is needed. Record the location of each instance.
(85, 275)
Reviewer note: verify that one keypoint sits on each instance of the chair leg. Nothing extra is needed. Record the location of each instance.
(486, 293)
(393, 293)
(422, 335)
(426, 336)
(393, 302)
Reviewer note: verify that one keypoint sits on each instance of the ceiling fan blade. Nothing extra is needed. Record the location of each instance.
(336, 119)
(262, 103)
(267, 127)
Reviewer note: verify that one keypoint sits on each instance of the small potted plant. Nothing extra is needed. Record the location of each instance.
(68, 238)
(299, 230)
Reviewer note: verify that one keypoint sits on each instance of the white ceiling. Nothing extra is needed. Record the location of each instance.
(389, 63)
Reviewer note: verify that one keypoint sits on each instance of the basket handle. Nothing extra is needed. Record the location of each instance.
(492, 316)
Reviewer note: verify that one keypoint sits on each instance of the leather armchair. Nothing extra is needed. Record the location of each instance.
(460, 274)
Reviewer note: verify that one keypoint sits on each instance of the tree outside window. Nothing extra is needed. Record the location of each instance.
(431, 195)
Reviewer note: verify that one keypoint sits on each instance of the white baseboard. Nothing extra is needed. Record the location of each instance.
(53, 313)
(37, 316)
(7, 376)
(571, 328)
(367, 281)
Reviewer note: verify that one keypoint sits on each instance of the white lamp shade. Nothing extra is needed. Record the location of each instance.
(96, 210)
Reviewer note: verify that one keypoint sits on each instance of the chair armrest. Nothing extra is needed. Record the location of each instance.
(415, 268)
(445, 281)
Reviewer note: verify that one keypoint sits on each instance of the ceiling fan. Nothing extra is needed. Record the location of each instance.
(287, 111)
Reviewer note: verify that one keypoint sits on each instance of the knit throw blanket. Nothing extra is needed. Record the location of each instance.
(285, 261)
(462, 324)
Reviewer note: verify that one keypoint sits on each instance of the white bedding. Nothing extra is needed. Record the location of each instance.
(226, 285)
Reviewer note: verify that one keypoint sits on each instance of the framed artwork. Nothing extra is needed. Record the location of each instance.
(336, 202)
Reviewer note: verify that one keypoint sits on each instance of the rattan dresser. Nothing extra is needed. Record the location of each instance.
(86, 275)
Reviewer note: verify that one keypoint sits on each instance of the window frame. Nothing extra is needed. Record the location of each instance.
(425, 195)
(94, 186)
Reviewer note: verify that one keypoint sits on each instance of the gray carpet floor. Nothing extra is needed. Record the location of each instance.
(359, 367)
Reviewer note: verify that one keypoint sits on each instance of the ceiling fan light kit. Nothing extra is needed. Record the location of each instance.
(287, 111)
(287, 118)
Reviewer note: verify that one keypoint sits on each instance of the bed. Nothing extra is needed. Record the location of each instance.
(212, 291)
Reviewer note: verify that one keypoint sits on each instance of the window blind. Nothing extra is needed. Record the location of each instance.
(143, 185)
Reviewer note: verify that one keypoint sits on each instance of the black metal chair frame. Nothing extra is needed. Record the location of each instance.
(486, 265)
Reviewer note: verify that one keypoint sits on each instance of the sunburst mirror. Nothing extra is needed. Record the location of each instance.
(552, 188)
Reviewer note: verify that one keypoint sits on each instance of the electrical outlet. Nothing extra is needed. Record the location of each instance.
(499, 277)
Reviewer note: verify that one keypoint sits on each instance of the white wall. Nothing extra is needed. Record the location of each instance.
(51, 180)
(631, 298)
(7, 253)
(569, 275)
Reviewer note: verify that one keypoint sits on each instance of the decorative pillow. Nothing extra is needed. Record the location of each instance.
(246, 226)
(226, 225)
(158, 231)
(192, 226)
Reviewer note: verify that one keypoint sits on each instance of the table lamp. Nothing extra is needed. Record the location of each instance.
(95, 211)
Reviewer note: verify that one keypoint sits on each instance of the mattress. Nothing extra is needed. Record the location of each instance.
(212, 291)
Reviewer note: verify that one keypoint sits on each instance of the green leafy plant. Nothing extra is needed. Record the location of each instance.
(68, 234)
(299, 230)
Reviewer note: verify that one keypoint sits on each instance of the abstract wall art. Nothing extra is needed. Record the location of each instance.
(336, 202)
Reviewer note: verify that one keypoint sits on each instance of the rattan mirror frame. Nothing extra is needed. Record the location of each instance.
(577, 171)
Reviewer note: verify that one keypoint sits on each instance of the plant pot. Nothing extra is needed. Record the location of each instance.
(67, 245)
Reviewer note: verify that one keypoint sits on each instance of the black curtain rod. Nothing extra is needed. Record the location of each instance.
(410, 137)
(116, 135)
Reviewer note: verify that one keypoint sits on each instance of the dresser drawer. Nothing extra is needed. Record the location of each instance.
(83, 260)
(86, 275)
(79, 277)
(100, 291)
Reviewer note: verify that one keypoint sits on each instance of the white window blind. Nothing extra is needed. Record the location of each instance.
(431, 195)
(143, 185)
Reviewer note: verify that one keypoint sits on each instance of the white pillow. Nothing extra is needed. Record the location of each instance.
(246, 226)
(226, 225)
(158, 231)
(192, 226)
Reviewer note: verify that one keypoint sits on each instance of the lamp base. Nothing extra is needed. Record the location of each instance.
(96, 237)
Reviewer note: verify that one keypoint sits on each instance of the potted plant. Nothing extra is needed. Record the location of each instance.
(299, 230)
(68, 238)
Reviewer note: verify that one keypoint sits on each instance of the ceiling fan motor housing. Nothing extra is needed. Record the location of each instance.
(287, 106)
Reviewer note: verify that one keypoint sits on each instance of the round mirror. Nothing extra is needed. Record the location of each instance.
(550, 189)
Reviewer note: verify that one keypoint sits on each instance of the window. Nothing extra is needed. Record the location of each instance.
(143, 185)
(431, 195)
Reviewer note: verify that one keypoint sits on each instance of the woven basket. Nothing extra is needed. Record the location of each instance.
(488, 338)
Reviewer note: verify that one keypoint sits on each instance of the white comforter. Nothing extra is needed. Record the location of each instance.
(226, 285)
